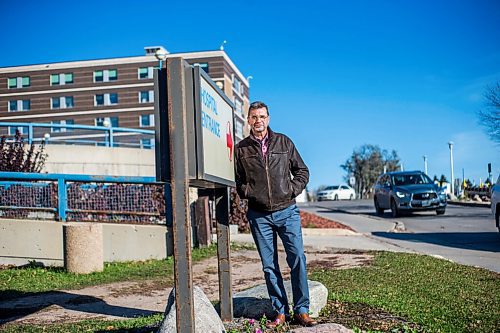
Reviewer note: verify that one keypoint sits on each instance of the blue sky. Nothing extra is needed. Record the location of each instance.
(404, 75)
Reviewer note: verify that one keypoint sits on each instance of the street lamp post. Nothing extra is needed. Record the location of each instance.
(248, 80)
(161, 55)
(425, 163)
(106, 123)
(450, 144)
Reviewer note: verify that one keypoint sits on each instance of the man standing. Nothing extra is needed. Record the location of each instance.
(265, 161)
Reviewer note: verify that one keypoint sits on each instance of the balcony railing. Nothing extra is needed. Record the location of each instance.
(82, 134)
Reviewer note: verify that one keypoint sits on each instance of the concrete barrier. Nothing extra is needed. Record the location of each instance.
(24, 241)
(83, 249)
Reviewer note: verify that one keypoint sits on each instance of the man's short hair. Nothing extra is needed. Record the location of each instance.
(258, 105)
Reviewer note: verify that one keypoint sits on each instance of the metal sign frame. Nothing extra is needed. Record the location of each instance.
(179, 163)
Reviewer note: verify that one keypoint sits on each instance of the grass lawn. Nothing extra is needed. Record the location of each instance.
(396, 293)
(437, 295)
(16, 281)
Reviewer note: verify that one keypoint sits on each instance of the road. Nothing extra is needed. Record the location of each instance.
(465, 235)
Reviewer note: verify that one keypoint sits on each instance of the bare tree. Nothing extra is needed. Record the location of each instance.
(489, 116)
(366, 164)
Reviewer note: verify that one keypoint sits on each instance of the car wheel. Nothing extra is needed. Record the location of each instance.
(336, 197)
(378, 210)
(440, 211)
(394, 208)
(351, 197)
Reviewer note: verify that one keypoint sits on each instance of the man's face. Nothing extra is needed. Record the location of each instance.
(258, 120)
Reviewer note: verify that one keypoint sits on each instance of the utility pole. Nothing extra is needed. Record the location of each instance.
(452, 181)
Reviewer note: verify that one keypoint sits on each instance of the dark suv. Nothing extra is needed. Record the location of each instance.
(408, 191)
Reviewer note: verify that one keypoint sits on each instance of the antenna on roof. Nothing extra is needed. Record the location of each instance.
(222, 45)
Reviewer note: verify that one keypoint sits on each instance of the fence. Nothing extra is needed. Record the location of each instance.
(82, 198)
(82, 134)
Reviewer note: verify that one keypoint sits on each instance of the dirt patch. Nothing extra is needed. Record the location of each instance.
(365, 317)
(132, 299)
(340, 261)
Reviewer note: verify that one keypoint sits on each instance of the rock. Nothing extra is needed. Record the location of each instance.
(477, 198)
(206, 318)
(255, 302)
(323, 328)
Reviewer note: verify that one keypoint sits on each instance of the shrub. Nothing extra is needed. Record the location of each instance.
(14, 157)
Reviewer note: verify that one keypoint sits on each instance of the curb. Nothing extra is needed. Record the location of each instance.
(469, 203)
(328, 232)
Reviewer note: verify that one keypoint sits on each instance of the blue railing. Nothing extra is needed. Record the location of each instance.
(16, 186)
(109, 133)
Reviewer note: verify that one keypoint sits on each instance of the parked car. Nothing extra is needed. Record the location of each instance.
(337, 192)
(495, 202)
(408, 191)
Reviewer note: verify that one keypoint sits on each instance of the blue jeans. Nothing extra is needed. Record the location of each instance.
(285, 223)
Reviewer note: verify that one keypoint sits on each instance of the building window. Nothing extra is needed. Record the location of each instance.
(113, 99)
(112, 75)
(98, 76)
(146, 120)
(106, 75)
(106, 99)
(112, 121)
(61, 79)
(62, 129)
(22, 129)
(237, 86)
(147, 143)
(18, 82)
(19, 105)
(204, 66)
(146, 96)
(99, 100)
(238, 129)
(64, 102)
(12, 82)
(145, 73)
(238, 107)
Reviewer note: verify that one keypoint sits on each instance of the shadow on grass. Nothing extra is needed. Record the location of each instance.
(17, 304)
(481, 241)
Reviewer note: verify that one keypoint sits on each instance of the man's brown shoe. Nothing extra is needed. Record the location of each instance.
(279, 320)
(304, 319)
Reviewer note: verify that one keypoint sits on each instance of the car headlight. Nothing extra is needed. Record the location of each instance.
(402, 194)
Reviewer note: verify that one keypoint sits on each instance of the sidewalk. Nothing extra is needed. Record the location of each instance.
(339, 239)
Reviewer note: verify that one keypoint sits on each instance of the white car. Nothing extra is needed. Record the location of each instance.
(495, 202)
(337, 192)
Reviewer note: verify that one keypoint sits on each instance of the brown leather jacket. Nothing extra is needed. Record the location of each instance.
(266, 182)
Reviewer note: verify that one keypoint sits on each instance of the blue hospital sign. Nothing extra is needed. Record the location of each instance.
(217, 132)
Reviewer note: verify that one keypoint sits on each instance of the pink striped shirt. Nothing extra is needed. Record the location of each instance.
(263, 144)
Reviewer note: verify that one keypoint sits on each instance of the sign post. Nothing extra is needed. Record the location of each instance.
(223, 253)
(194, 147)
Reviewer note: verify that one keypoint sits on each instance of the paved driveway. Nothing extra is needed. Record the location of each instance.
(466, 235)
